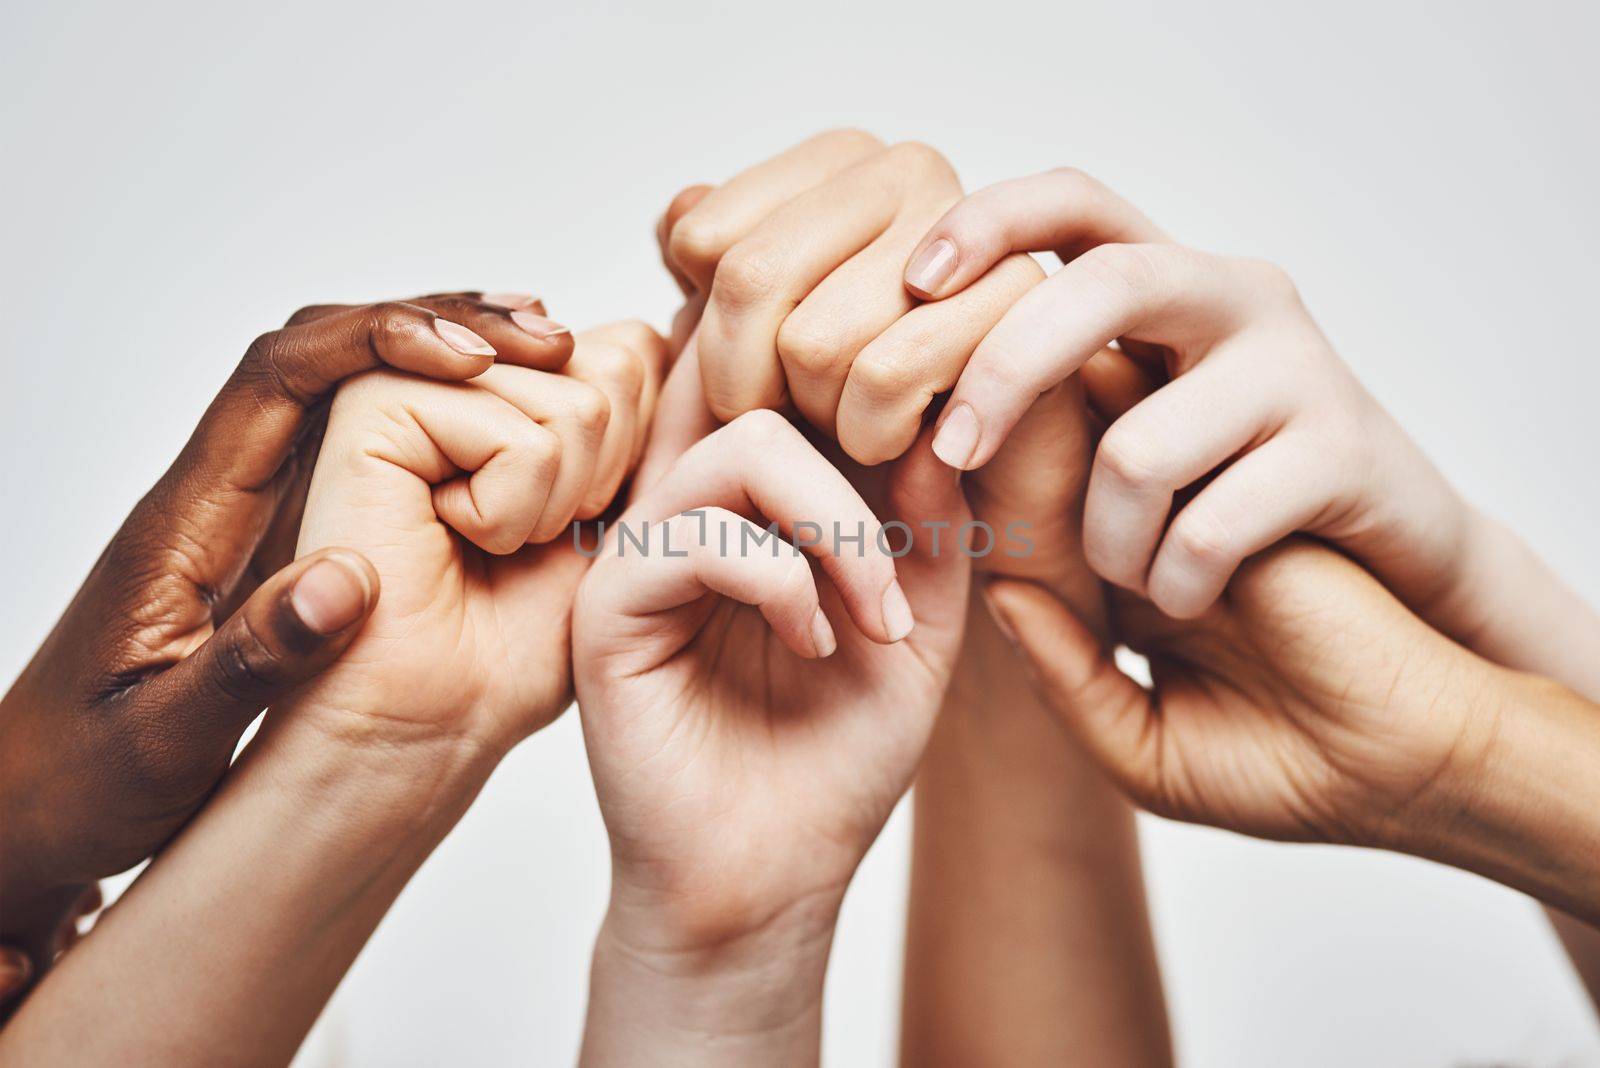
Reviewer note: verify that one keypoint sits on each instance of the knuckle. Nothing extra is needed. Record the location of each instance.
(696, 244)
(389, 319)
(1129, 457)
(883, 378)
(1271, 280)
(268, 359)
(246, 665)
(762, 428)
(746, 277)
(1201, 537)
(636, 335)
(619, 366)
(590, 406)
(849, 138)
(922, 158)
(806, 345)
(1074, 179)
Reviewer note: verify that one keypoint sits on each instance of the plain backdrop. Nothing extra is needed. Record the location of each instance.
(179, 177)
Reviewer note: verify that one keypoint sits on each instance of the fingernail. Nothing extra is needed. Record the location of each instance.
(538, 325)
(957, 437)
(511, 300)
(461, 339)
(897, 619)
(933, 267)
(998, 614)
(822, 634)
(331, 595)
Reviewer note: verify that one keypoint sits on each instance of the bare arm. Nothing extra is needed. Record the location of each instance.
(1028, 940)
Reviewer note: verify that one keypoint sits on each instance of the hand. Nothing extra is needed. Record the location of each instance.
(461, 496)
(1260, 416)
(750, 727)
(797, 262)
(132, 708)
(16, 967)
(1308, 705)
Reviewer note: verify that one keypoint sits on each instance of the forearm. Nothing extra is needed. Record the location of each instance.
(752, 998)
(1511, 608)
(226, 949)
(1521, 804)
(1028, 938)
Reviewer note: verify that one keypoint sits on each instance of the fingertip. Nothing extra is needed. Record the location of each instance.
(898, 620)
(462, 340)
(932, 267)
(336, 591)
(823, 640)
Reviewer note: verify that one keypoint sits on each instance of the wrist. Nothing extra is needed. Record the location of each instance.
(1520, 808)
(660, 994)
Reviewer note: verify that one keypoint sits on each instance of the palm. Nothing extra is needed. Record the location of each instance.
(749, 738)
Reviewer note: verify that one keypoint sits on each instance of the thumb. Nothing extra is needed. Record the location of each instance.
(1112, 716)
(291, 629)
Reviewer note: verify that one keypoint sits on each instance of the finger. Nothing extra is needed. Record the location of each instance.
(1063, 211)
(894, 378)
(1160, 293)
(509, 457)
(1261, 498)
(680, 206)
(760, 465)
(654, 356)
(211, 505)
(1173, 438)
(763, 278)
(15, 971)
(697, 242)
(681, 419)
(294, 626)
(715, 550)
(925, 497)
(507, 300)
(618, 373)
(1114, 383)
(514, 323)
(821, 339)
(1113, 718)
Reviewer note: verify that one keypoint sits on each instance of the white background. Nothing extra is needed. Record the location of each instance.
(177, 178)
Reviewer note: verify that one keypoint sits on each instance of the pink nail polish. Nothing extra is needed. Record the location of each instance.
(461, 339)
(511, 301)
(538, 326)
(933, 267)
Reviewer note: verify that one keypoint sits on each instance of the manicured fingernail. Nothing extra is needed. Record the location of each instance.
(331, 595)
(822, 634)
(897, 619)
(957, 437)
(511, 300)
(538, 325)
(461, 339)
(933, 267)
